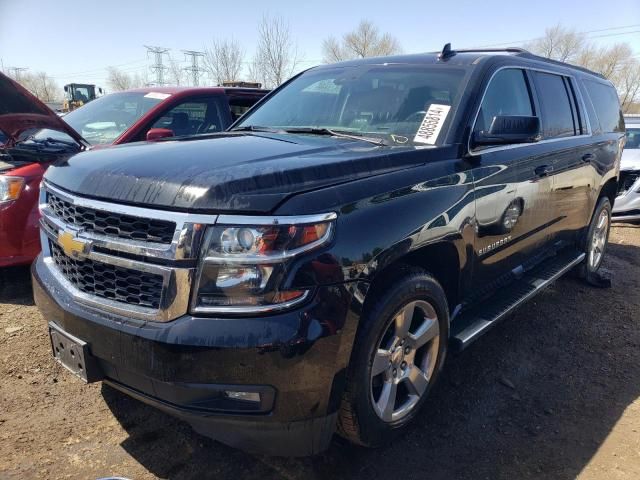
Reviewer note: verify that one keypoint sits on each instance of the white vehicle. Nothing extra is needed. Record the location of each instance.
(627, 204)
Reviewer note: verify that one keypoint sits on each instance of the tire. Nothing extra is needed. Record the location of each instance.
(595, 242)
(361, 414)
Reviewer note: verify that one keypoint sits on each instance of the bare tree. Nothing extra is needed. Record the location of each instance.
(46, 88)
(333, 51)
(140, 79)
(223, 60)
(276, 53)
(175, 72)
(365, 40)
(616, 63)
(118, 80)
(558, 43)
(41, 85)
(255, 71)
(628, 86)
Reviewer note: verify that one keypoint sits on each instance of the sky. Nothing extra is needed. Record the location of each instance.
(75, 40)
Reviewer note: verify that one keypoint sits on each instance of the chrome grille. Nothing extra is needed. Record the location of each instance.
(124, 285)
(110, 223)
(131, 261)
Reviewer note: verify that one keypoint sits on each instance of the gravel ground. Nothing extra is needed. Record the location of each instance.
(553, 392)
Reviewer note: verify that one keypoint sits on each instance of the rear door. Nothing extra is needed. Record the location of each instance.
(569, 152)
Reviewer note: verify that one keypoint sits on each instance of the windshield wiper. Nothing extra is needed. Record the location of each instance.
(257, 128)
(49, 140)
(337, 133)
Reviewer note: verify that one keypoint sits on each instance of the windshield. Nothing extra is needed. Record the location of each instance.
(633, 138)
(104, 119)
(400, 104)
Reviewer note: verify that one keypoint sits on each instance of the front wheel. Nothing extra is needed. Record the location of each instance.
(399, 350)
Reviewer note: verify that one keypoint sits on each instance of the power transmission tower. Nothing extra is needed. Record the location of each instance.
(194, 68)
(16, 71)
(158, 67)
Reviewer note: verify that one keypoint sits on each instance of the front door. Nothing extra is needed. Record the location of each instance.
(512, 186)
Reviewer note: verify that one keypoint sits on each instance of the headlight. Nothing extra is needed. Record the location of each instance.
(10, 188)
(244, 262)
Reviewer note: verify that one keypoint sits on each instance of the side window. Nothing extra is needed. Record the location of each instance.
(240, 105)
(555, 105)
(605, 101)
(193, 117)
(507, 94)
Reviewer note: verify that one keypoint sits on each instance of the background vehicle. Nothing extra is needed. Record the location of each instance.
(307, 271)
(627, 206)
(78, 94)
(152, 113)
(29, 141)
(114, 119)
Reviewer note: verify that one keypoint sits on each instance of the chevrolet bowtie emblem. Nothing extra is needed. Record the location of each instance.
(71, 245)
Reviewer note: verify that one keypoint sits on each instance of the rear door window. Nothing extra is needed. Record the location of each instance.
(557, 111)
(606, 104)
(507, 94)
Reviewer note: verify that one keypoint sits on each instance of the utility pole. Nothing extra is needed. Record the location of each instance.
(194, 68)
(158, 67)
(16, 72)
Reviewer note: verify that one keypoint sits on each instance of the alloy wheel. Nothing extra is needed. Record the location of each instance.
(405, 360)
(598, 240)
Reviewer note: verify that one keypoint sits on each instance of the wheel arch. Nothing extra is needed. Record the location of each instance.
(609, 189)
(440, 259)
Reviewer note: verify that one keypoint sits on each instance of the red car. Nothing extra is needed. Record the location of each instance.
(32, 137)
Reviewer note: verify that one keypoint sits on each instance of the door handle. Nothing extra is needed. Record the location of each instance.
(543, 170)
(587, 157)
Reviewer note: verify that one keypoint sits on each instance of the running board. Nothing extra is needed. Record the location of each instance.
(472, 323)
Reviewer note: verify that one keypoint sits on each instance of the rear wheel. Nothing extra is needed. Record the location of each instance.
(596, 239)
(398, 353)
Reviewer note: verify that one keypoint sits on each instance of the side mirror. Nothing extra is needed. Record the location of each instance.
(158, 133)
(66, 88)
(506, 129)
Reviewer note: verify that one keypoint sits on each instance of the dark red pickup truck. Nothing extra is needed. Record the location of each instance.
(32, 137)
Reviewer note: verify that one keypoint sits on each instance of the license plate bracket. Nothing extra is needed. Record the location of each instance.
(73, 354)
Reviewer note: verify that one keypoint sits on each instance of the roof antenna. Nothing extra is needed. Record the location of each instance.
(446, 52)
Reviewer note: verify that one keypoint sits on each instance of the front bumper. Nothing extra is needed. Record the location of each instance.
(296, 360)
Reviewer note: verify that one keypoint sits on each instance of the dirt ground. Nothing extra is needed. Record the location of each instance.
(553, 393)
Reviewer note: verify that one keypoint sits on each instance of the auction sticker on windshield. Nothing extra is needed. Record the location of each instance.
(432, 124)
(157, 95)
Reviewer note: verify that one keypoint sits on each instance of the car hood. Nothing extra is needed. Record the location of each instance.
(630, 159)
(20, 110)
(228, 172)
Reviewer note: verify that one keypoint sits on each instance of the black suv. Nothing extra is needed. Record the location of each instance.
(307, 271)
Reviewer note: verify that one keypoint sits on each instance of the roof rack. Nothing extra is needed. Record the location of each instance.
(489, 50)
(533, 56)
(447, 52)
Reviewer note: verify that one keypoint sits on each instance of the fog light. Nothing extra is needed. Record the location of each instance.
(246, 396)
